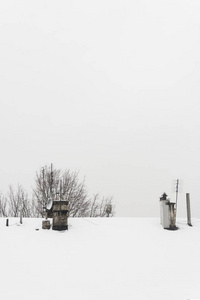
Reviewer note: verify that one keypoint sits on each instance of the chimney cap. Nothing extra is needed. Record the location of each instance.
(163, 197)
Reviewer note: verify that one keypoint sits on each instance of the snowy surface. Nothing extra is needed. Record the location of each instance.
(106, 258)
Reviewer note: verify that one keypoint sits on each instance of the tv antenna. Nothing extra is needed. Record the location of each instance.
(177, 190)
(51, 196)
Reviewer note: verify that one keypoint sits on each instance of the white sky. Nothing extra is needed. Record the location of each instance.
(109, 88)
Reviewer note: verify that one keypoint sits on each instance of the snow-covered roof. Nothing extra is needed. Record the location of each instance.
(100, 258)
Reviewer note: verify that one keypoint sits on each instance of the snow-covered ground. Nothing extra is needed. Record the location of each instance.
(104, 258)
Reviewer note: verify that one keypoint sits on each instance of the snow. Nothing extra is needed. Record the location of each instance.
(100, 258)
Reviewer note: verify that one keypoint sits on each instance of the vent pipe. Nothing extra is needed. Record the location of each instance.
(188, 209)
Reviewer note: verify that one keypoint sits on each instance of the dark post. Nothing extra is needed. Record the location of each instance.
(188, 209)
(7, 222)
(108, 210)
(20, 216)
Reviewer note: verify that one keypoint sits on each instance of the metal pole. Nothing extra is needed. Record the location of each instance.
(188, 209)
(177, 183)
(43, 194)
(51, 181)
(60, 201)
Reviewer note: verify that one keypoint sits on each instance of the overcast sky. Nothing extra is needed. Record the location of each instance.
(109, 88)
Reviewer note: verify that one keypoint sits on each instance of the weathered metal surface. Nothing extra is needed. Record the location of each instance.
(167, 213)
(46, 224)
(60, 215)
(172, 217)
(164, 213)
(57, 206)
(60, 222)
(60, 206)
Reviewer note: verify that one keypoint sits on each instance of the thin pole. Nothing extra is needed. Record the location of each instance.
(51, 180)
(43, 193)
(177, 183)
(60, 201)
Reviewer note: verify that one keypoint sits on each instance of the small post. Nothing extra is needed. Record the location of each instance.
(108, 210)
(46, 224)
(7, 222)
(20, 216)
(188, 209)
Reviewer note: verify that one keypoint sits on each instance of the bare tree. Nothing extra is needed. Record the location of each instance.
(14, 202)
(25, 203)
(43, 188)
(99, 206)
(48, 188)
(17, 200)
(3, 206)
(47, 185)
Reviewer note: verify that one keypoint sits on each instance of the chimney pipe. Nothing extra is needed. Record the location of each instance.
(188, 209)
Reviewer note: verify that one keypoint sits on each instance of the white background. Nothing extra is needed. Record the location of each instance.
(108, 88)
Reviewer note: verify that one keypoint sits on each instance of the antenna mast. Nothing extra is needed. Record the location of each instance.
(61, 196)
(43, 194)
(177, 186)
(51, 181)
